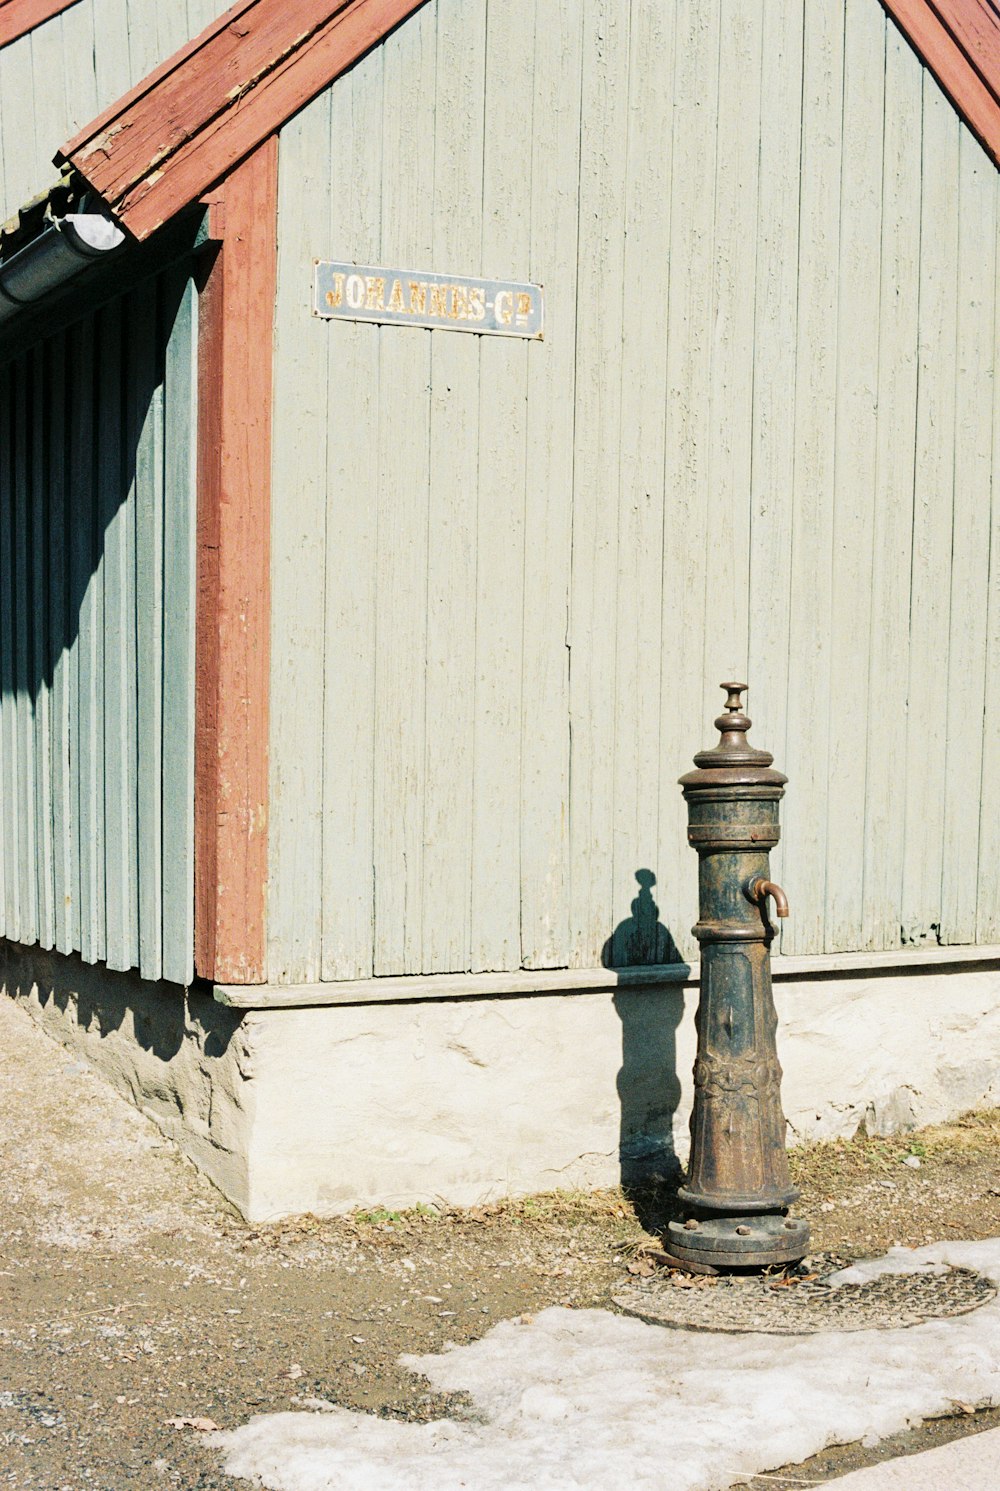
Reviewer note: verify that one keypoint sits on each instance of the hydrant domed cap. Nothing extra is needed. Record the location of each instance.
(734, 754)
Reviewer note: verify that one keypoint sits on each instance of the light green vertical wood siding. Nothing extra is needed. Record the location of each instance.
(97, 518)
(760, 436)
(59, 76)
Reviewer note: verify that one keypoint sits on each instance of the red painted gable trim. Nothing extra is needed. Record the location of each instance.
(163, 145)
(18, 17)
(959, 40)
(236, 333)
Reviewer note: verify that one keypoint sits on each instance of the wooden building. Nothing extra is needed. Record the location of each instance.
(347, 665)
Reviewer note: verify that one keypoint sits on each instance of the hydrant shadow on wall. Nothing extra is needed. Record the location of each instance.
(738, 1188)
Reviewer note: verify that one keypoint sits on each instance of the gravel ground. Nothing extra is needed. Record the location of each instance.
(131, 1296)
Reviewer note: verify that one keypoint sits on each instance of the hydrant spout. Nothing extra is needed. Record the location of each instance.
(759, 889)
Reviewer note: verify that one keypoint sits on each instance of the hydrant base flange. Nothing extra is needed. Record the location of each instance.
(740, 1241)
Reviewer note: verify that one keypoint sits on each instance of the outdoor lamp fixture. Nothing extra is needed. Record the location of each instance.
(63, 249)
(738, 1187)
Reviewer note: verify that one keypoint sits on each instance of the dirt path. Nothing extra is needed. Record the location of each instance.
(130, 1295)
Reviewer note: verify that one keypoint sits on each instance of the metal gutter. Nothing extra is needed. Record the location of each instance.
(64, 248)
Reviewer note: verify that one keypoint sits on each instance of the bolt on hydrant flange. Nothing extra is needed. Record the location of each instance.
(738, 1186)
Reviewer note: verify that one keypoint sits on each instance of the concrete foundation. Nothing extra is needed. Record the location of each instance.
(465, 1099)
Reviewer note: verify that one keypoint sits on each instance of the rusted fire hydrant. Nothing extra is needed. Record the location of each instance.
(738, 1187)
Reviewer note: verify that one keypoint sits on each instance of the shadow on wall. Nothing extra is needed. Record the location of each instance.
(95, 999)
(648, 1085)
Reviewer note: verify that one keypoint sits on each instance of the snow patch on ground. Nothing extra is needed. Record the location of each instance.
(581, 1398)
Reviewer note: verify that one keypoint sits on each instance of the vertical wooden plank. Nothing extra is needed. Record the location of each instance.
(988, 884)
(301, 430)
(47, 117)
(772, 466)
(80, 64)
(893, 517)
(932, 523)
(355, 226)
(78, 499)
(62, 628)
(41, 672)
(116, 535)
(731, 389)
(178, 517)
(17, 103)
(555, 145)
(88, 584)
(145, 431)
(451, 557)
(592, 639)
(688, 700)
(24, 660)
(9, 848)
(805, 757)
(402, 517)
(111, 50)
(236, 336)
(855, 465)
(501, 394)
(968, 702)
(167, 33)
(639, 653)
(145, 25)
(201, 13)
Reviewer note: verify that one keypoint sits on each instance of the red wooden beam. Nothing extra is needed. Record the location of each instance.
(937, 42)
(975, 26)
(162, 146)
(18, 17)
(236, 333)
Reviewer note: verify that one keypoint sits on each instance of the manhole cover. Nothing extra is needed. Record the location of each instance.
(796, 1306)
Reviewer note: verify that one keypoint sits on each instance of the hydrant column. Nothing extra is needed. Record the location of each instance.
(738, 1185)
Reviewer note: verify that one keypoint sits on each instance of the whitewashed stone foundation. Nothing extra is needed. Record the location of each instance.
(463, 1100)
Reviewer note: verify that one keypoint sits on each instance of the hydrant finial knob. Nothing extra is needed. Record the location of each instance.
(734, 724)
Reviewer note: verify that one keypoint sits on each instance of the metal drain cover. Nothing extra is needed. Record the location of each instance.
(798, 1306)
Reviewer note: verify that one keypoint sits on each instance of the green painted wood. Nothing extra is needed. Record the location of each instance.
(179, 312)
(80, 610)
(402, 509)
(38, 450)
(549, 419)
(116, 502)
(855, 457)
(596, 454)
(730, 405)
(772, 469)
(442, 938)
(8, 693)
(24, 173)
(97, 635)
(806, 753)
(988, 882)
(146, 432)
(302, 424)
(64, 807)
(79, 64)
(25, 784)
(508, 580)
(888, 662)
(691, 253)
(355, 206)
(930, 575)
(641, 509)
(966, 742)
